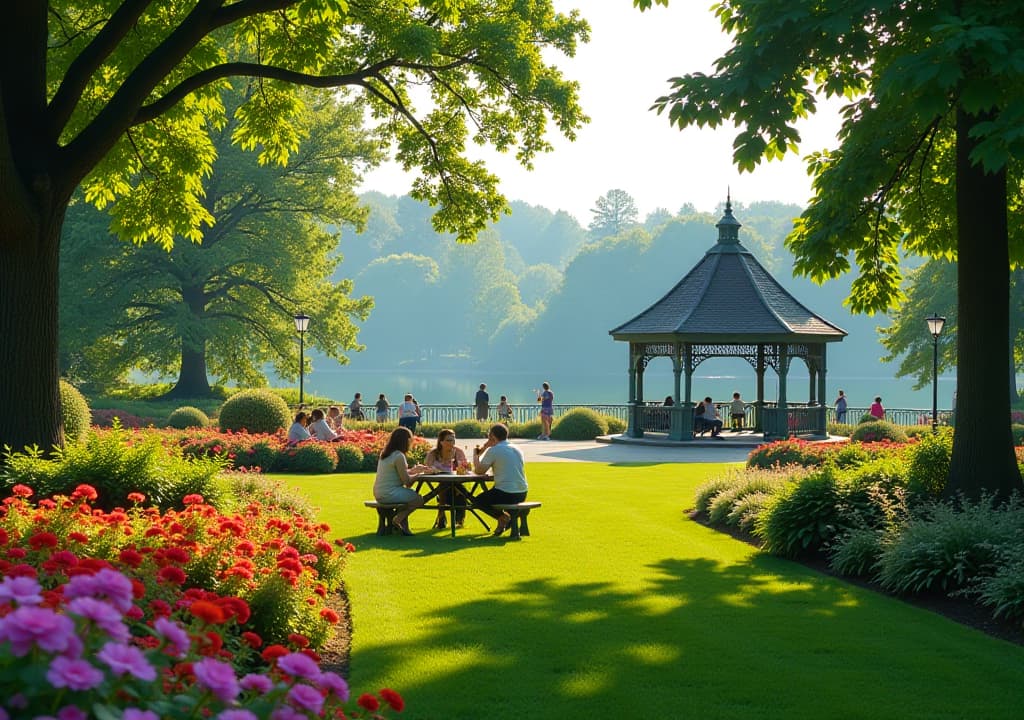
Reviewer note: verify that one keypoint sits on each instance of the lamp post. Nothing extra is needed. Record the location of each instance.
(935, 325)
(301, 324)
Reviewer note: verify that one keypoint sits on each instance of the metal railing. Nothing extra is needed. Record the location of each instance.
(449, 414)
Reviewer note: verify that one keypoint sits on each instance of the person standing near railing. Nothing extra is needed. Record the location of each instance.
(876, 410)
(841, 408)
(504, 410)
(482, 402)
(546, 398)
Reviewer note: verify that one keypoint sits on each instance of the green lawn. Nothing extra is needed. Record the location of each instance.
(620, 606)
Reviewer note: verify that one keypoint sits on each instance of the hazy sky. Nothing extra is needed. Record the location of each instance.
(622, 70)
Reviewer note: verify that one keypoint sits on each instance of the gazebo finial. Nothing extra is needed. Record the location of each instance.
(728, 226)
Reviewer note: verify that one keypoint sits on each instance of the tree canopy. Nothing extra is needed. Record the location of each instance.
(121, 97)
(929, 140)
(224, 306)
(614, 212)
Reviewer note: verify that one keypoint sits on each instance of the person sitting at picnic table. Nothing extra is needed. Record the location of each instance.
(394, 478)
(298, 432)
(509, 475)
(320, 429)
(447, 457)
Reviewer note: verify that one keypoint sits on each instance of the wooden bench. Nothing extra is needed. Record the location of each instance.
(518, 511)
(385, 515)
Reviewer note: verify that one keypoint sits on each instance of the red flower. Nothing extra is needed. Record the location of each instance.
(298, 640)
(84, 492)
(252, 639)
(130, 557)
(4, 538)
(193, 499)
(22, 491)
(329, 615)
(235, 607)
(42, 540)
(368, 702)
(393, 699)
(16, 553)
(136, 497)
(272, 652)
(78, 537)
(171, 574)
(208, 612)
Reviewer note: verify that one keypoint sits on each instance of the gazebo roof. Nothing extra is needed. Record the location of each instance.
(728, 297)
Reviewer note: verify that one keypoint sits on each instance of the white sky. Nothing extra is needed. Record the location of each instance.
(622, 70)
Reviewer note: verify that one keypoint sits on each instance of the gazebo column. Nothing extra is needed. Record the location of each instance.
(759, 405)
(776, 423)
(812, 385)
(675, 414)
(822, 420)
(687, 407)
(634, 425)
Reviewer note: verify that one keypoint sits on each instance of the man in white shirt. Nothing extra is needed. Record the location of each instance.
(509, 475)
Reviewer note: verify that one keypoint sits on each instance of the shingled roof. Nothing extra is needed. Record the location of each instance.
(728, 297)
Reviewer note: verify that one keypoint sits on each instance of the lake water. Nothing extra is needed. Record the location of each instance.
(442, 387)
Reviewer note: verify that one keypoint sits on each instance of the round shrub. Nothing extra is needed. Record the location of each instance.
(470, 429)
(187, 417)
(616, 426)
(257, 411)
(928, 466)
(878, 430)
(579, 424)
(370, 461)
(525, 430)
(350, 458)
(75, 411)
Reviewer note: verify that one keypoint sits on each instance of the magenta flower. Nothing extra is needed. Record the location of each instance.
(258, 683)
(73, 674)
(21, 590)
(286, 713)
(124, 659)
(136, 714)
(106, 583)
(336, 684)
(237, 715)
(306, 698)
(103, 614)
(217, 677)
(70, 712)
(36, 626)
(299, 665)
(177, 639)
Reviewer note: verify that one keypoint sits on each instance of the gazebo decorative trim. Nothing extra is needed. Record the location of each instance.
(688, 326)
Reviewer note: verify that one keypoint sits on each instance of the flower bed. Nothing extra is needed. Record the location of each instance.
(142, 615)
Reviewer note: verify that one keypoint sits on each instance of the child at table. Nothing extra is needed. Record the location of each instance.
(446, 457)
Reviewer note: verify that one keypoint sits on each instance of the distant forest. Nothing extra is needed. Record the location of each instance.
(540, 292)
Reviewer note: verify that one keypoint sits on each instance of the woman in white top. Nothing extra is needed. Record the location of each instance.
(394, 476)
(298, 432)
(320, 429)
(408, 413)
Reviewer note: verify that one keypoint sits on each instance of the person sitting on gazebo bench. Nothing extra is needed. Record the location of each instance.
(706, 418)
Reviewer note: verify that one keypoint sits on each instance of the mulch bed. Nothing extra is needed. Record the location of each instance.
(958, 609)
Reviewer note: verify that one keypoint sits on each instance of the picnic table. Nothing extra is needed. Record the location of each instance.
(469, 486)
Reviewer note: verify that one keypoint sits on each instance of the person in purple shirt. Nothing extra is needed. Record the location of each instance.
(546, 398)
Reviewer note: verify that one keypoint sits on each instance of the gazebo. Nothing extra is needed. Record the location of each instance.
(728, 305)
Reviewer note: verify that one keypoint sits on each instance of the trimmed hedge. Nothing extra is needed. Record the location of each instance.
(187, 417)
(74, 410)
(257, 411)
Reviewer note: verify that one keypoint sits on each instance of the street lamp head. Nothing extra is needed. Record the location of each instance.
(935, 325)
(301, 322)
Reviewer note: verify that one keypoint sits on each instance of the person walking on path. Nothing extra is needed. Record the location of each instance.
(546, 398)
(841, 407)
(482, 402)
(510, 484)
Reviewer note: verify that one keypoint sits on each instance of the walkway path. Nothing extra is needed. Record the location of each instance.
(592, 451)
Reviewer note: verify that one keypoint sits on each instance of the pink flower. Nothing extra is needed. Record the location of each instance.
(286, 713)
(177, 639)
(299, 665)
(103, 614)
(106, 583)
(217, 677)
(35, 626)
(122, 659)
(21, 590)
(306, 698)
(335, 684)
(73, 674)
(70, 712)
(136, 714)
(236, 715)
(258, 683)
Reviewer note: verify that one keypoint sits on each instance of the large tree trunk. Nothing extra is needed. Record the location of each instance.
(983, 458)
(192, 380)
(29, 395)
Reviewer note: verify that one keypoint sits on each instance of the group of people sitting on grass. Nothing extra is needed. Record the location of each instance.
(395, 478)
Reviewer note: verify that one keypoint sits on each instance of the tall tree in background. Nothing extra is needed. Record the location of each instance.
(225, 306)
(120, 96)
(614, 212)
(932, 85)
